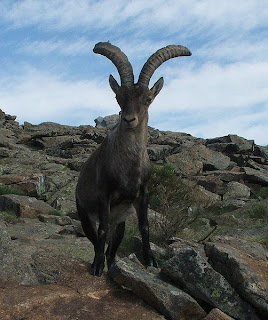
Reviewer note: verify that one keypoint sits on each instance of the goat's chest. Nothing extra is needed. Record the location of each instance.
(128, 180)
(129, 169)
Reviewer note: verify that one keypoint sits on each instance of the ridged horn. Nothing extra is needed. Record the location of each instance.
(157, 59)
(119, 59)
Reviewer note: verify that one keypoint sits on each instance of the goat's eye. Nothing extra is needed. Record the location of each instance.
(149, 100)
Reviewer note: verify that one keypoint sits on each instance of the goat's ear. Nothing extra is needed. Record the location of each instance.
(113, 84)
(157, 86)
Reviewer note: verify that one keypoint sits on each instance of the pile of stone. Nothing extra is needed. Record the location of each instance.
(44, 160)
(41, 164)
(223, 279)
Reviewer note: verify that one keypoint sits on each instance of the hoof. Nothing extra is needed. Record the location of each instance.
(97, 269)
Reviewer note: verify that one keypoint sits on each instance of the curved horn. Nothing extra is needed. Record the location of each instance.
(157, 59)
(119, 59)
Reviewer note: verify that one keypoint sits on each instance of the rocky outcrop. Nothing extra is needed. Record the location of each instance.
(249, 274)
(44, 160)
(42, 163)
(24, 206)
(15, 264)
(217, 314)
(189, 270)
(44, 275)
(83, 299)
(231, 144)
(107, 122)
(32, 184)
(38, 255)
(236, 190)
(167, 299)
(48, 250)
(256, 175)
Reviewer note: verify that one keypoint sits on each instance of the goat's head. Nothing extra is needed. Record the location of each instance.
(135, 99)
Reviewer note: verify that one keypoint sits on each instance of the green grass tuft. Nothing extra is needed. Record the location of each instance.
(9, 216)
(4, 189)
(260, 211)
(56, 213)
(263, 193)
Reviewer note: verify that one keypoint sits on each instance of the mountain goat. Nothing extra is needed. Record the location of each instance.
(113, 182)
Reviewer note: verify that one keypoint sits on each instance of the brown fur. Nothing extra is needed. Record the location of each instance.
(116, 177)
(114, 180)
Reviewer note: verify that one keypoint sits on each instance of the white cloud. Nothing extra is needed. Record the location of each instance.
(60, 14)
(251, 49)
(210, 101)
(226, 76)
(184, 15)
(251, 124)
(216, 87)
(38, 96)
(215, 100)
(59, 46)
(224, 27)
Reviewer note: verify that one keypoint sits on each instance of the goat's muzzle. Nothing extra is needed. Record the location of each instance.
(131, 120)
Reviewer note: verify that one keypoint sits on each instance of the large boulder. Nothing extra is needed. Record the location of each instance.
(184, 165)
(236, 190)
(217, 314)
(230, 144)
(249, 274)
(31, 184)
(167, 299)
(15, 265)
(24, 206)
(196, 159)
(189, 270)
(226, 175)
(177, 140)
(107, 122)
(158, 152)
(50, 129)
(263, 152)
(44, 275)
(211, 183)
(79, 296)
(256, 176)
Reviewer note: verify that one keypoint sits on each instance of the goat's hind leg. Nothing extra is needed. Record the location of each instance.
(88, 226)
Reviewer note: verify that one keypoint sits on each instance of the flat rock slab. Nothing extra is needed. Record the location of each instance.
(84, 298)
(24, 206)
(44, 277)
(192, 160)
(189, 270)
(167, 299)
(256, 176)
(30, 184)
(249, 274)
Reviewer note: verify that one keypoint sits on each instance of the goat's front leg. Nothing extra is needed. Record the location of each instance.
(99, 259)
(148, 256)
(115, 241)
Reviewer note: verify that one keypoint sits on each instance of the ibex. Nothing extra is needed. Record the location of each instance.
(114, 180)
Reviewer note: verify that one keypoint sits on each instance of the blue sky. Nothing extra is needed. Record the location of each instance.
(49, 72)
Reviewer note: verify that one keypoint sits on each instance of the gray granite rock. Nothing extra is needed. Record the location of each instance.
(192, 272)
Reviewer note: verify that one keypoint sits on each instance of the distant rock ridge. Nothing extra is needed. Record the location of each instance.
(44, 160)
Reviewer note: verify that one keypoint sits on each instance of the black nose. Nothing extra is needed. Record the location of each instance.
(129, 121)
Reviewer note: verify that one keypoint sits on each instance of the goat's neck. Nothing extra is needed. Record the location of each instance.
(136, 138)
